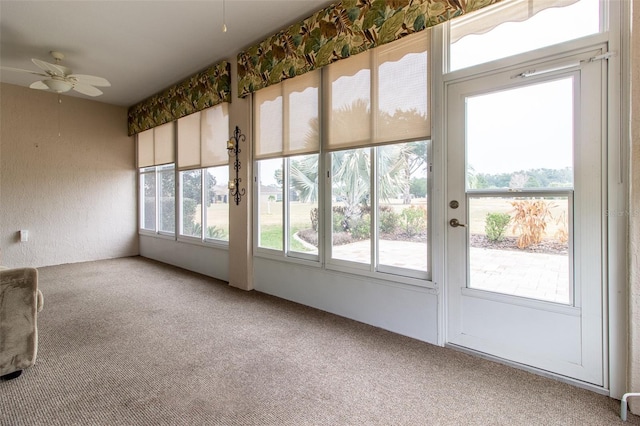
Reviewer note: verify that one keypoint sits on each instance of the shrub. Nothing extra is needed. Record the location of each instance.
(339, 222)
(495, 225)
(530, 221)
(418, 187)
(215, 232)
(562, 234)
(149, 210)
(389, 221)
(189, 206)
(361, 228)
(415, 220)
(168, 214)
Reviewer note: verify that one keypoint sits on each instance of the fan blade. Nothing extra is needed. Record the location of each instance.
(39, 85)
(21, 70)
(86, 89)
(90, 79)
(52, 69)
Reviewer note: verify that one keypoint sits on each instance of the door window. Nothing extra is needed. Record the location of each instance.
(519, 182)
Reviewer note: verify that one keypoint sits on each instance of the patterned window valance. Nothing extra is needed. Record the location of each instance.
(205, 89)
(338, 31)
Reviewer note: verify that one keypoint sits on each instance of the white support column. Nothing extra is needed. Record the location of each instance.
(240, 227)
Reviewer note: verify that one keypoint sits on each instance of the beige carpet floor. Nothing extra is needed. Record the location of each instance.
(135, 342)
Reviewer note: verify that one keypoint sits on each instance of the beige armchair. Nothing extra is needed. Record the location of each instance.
(20, 302)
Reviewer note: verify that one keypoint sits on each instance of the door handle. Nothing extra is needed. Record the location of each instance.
(455, 223)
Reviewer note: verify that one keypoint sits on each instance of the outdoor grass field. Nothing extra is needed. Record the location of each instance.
(271, 217)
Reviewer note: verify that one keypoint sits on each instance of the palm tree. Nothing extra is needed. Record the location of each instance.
(304, 177)
(351, 168)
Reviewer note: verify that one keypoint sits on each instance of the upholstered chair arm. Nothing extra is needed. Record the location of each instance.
(40, 301)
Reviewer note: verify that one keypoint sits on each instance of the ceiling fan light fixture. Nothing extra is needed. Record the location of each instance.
(58, 86)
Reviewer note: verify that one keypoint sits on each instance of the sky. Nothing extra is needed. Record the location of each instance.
(518, 129)
(529, 127)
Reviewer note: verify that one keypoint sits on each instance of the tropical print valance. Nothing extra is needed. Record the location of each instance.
(205, 89)
(339, 31)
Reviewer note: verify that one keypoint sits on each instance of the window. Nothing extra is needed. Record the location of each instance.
(402, 225)
(204, 208)
(148, 199)
(191, 201)
(375, 144)
(157, 199)
(350, 205)
(378, 140)
(157, 179)
(379, 208)
(302, 204)
(167, 199)
(200, 197)
(215, 217)
(270, 222)
(513, 27)
(287, 142)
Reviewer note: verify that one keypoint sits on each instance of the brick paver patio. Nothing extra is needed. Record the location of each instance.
(518, 273)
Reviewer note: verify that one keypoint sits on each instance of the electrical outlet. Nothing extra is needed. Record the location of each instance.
(24, 235)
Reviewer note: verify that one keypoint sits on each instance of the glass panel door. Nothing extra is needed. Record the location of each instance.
(524, 218)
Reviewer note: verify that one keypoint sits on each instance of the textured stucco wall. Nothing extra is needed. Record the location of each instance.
(75, 192)
(634, 204)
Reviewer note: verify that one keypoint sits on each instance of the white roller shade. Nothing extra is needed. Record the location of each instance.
(287, 117)
(189, 141)
(214, 135)
(301, 122)
(164, 143)
(156, 146)
(403, 103)
(269, 122)
(349, 111)
(146, 155)
(374, 108)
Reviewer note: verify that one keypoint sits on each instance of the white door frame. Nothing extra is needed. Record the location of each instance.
(616, 274)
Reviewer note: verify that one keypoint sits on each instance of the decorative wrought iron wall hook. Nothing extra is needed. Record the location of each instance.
(233, 148)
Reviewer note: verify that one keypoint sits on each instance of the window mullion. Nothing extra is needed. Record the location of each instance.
(204, 202)
(373, 154)
(285, 205)
(328, 206)
(373, 207)
(285, 170)
(326, 232)
(157, 200)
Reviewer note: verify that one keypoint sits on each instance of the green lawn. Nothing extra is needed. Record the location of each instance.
(271, 237)
(271, 217)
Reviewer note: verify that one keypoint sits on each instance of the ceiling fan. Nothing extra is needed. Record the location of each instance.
(61, 79)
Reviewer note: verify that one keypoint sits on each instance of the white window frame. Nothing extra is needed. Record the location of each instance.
(202, 239)
(373, 268)
(144, 171)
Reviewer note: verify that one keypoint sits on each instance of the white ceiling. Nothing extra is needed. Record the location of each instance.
(141, 47)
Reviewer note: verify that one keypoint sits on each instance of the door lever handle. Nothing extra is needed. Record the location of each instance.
(455, 223)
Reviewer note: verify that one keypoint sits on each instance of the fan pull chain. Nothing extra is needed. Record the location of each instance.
(224, 19)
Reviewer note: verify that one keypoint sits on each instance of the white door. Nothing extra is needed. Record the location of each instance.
(525, 181)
